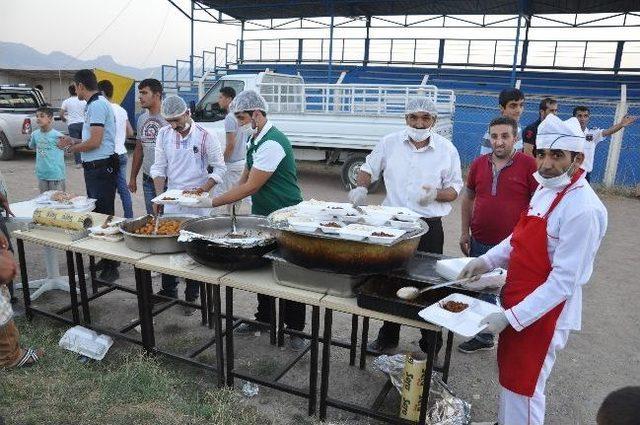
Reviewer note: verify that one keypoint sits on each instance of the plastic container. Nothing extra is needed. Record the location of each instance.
(465, 323)
(86, 342)
(331, 229)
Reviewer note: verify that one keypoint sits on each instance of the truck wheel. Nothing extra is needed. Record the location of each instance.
(350, 170)
(6, 151)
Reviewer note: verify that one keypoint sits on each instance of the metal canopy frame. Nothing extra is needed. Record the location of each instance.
(288, 15)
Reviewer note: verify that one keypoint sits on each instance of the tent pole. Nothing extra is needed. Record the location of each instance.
(192, 36)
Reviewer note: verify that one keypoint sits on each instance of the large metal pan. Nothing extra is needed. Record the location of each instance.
(343, 256)
(154, 244)
(205, 242)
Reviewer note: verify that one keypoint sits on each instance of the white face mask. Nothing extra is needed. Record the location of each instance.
(555, 182)
(247, 128)
(418, 134)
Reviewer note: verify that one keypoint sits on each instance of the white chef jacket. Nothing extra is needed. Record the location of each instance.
(593, 136)
(406, 169)
(184, 161)
(574, 232)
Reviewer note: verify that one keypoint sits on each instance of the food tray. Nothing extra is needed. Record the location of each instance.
(379, 293)
(279, 221)
(288, 274)
(180, 198)
(465, 323)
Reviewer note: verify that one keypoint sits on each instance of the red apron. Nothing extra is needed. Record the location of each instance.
(521, 354)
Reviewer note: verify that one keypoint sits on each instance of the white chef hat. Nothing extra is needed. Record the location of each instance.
(553, 133)
(421, 104)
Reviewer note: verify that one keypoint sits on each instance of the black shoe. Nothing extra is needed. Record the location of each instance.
(249, 329)
(379, 347)
(474, 345)
(164, 293)
(109, 274)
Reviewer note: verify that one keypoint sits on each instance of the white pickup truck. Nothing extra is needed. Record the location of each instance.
(334, 123)
(18, 105)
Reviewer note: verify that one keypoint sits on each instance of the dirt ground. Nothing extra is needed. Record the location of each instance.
(602, 357)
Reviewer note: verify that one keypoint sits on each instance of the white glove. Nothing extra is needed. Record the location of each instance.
(204, 202)
(427, 195)
(358, 195)
(496, 322)
(474, 269)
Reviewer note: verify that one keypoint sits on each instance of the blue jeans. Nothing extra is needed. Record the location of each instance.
(478, 249)
(123, 189)
(75, 131)
(149, 191)
(101, 185)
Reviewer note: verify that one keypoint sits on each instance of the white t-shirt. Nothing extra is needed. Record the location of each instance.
(268, 156)
(74, 109)
(121, 127)
(593, 136)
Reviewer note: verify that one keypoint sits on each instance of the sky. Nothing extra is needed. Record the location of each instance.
(152, 32)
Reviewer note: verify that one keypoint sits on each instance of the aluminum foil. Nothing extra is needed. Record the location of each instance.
(248, 242)
(445, 408)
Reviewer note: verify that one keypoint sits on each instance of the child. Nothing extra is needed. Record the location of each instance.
(49, 158)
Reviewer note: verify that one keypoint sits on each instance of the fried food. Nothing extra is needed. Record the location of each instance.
(454, 306)
(195, 193)
(61, 196)
(331, 224)
(382, 234)
(169, 198)
(165, 228)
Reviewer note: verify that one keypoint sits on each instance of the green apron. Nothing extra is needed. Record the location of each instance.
(281, 190)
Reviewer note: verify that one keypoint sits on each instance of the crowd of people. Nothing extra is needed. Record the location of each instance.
(526, 206)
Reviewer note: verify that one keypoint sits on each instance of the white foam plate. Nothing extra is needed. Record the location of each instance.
(467, 322)
(172, 193)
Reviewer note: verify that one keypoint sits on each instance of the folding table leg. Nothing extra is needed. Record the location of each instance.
(229, 334)
(281, 307)
(428, 373)
(216, 316)
(25, 280)
(326, 361)
(210, 306)
(354, 340)
(203, 302)
(92, 271)
(143, 287)
(313, 372)
(364, 342)
(447, 357)
(272, 321)
(86, 316)
(72, 288)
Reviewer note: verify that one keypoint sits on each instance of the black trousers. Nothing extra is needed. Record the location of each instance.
(101, 185)
(294, 312)
(433, 242)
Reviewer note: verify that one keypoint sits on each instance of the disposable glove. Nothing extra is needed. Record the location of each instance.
(496, 322)
(427, 195)
(358, 195)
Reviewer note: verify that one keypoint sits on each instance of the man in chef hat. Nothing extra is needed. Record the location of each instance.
(549, 257)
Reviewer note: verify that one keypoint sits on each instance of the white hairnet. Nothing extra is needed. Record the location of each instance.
(173, 106)
(421, 104)
(248, 100)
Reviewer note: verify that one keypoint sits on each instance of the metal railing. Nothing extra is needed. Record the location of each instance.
(353, 99)
(582, 55)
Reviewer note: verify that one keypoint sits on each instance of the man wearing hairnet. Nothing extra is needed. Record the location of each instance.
(421, 172)
(270, 178)
(184, 153)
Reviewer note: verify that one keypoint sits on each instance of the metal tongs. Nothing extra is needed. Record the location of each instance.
(234, 221)
(156, 219)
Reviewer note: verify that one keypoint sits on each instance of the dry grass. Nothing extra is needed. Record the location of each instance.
(127, 387)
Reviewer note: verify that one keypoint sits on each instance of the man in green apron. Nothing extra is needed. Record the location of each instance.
(270, 178)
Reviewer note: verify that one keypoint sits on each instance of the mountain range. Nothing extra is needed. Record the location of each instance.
(21, 56)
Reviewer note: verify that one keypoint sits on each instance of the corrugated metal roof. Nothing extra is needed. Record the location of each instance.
(276, 9)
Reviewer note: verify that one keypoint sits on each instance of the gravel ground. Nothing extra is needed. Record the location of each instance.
(600, 358)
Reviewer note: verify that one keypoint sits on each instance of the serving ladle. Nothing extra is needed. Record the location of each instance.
(411, 292)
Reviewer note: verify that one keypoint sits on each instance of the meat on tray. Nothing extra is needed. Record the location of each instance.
(454, 306)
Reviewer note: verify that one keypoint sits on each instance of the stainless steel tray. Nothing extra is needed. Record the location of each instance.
(288, 274)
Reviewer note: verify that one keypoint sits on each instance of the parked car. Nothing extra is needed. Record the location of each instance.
(18, 105)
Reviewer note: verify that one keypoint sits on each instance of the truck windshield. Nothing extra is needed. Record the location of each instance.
(17, 100)
(208, 109)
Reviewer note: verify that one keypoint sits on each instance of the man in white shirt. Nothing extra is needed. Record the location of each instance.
(549, 257)
(421, 172)
(123, 130)
(184, 153)
(235, 150)
(72, 112)
(595, 135)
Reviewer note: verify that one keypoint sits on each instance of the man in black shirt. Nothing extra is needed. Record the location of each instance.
(548, 106)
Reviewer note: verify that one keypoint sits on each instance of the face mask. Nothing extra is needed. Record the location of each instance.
(247, 128)
(555, 182)
(418, 134)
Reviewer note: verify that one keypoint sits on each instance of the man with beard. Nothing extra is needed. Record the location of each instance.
(499, 187)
